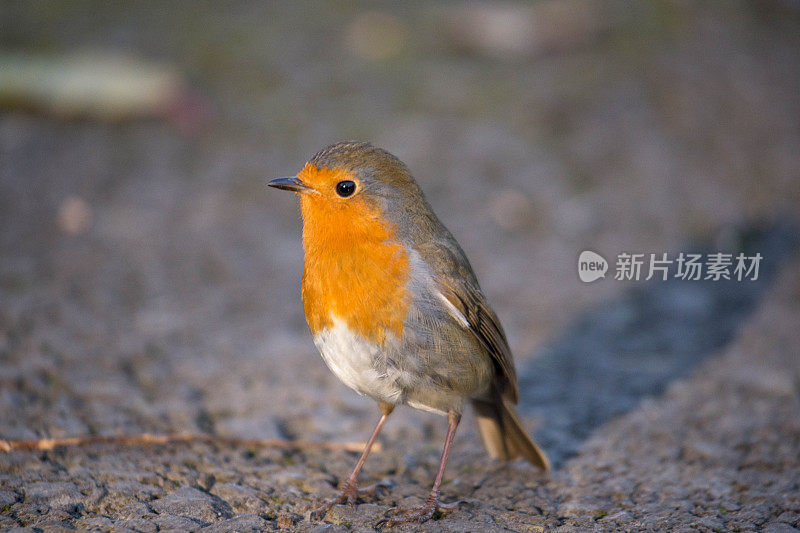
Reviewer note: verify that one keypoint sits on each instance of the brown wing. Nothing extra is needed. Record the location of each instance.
(460, 288)
(468, 300)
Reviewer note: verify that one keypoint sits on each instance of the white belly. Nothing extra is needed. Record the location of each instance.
(350, 358)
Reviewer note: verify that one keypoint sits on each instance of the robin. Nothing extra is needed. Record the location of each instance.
(395, 309)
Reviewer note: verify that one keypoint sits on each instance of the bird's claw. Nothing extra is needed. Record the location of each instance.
(350, 496)
(396, 516)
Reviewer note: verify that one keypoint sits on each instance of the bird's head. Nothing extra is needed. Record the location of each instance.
(352, 176)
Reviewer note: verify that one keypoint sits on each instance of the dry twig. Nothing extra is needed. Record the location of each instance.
(146, 438)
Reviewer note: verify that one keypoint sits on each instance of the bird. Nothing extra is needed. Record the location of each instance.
(396, 310)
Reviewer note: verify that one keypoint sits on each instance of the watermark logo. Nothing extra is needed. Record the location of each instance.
(591, 266)
(684, 266)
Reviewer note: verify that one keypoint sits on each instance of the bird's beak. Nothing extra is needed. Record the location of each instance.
(290, 184)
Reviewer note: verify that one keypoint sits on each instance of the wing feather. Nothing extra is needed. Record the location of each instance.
(465, 302)
(470, 304)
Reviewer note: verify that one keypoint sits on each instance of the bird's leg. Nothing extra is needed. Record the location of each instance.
(350, 491)
(432, 505)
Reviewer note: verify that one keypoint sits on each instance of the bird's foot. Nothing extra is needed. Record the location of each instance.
(350, 496)
(431, 509)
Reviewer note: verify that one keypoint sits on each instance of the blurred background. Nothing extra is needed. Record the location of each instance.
(149, 281)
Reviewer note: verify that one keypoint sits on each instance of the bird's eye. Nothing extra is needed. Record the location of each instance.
(345, 188)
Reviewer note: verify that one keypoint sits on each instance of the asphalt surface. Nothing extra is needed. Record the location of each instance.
(149, 282)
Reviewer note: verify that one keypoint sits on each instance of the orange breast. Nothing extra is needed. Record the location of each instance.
(353, 270)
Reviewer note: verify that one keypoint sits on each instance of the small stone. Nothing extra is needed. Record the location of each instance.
(284, 521)
(622, 516)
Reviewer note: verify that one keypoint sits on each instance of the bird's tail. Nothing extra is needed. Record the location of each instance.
(503, 434)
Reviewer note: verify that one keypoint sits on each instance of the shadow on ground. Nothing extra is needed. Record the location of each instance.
(626, 350)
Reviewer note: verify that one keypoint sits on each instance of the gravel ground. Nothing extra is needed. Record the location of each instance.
(172, 304)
